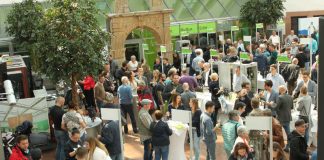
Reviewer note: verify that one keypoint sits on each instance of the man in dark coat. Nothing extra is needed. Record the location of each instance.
(298, 145)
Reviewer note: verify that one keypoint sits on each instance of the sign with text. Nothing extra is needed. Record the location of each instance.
(208, 27)
(259, 25)
(247, 38)
(283, 58)
(235, 28)
(213, 52)
(145, 47)
(186, 50)
(244, 56)
(186, 29)
(221, 38)
(163, 49)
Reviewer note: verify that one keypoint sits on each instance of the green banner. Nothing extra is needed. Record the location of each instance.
(145, 47)
(213, 52)
(259, 25)
(186, 50)
(163, 49)
(175, 30)
(186, 29)
(244, 56)
(208, 27)
(235, 28)
(281, 22)
(283, 58)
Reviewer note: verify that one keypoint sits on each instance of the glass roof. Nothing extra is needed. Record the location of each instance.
(183, 10)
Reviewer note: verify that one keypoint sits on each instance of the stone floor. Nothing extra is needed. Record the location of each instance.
(134, 150)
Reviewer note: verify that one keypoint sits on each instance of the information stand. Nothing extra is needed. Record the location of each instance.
(114, 114)
(261, 123)
(184, 117)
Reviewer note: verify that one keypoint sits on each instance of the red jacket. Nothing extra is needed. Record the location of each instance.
(17, 154)
(89, 83)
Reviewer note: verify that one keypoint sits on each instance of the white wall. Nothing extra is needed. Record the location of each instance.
(303, 5)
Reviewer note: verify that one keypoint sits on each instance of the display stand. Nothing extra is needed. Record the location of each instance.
(113, 115)
(261, 123)
(184, 117)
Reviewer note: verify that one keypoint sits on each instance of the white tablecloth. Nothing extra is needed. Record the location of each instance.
(203, 97)
(314, 117)
(177, 140)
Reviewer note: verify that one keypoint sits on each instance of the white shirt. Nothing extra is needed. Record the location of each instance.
(99, 154)
(274, 39)
(238, 80)
(206, 77)
(239, 140)
(277, 81)
(132, 66)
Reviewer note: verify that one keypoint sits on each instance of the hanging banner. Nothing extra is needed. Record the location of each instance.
(244, 56)
(235, 28)
(145, 47)
(186, 50)
(163, 49)
(283, 58)
(186, 29)
(259, 25)
(213, 52)
(175, 30)
(208, 27)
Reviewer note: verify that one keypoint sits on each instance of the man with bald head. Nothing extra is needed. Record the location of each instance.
(283, 107)
(186, 96)
(290, 73)
(55, 115)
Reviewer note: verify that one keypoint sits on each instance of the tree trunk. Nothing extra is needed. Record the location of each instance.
(74, 91)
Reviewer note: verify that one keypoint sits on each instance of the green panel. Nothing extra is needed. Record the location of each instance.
(186, 29)
(175, 30)
(208, 27)
(150, 58)
(179, 10)
(42, 125)
(4, 11)
(138, 5)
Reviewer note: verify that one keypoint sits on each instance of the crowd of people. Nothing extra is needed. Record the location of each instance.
(148, 97)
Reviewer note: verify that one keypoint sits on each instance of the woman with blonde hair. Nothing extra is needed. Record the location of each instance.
(97, 150)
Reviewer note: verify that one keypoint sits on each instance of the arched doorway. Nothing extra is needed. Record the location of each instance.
(120, 25)
(134, 45)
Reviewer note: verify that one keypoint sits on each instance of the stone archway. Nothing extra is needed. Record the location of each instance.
(123, 22)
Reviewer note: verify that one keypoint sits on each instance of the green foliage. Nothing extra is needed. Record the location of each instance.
(24, 21)
(71, 40)
(23, 24)
(262, 11)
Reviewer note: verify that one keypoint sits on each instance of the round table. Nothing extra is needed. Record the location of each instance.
(177, 140)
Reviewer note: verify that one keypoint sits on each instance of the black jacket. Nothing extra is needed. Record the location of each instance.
(298, 147)
(196, 121)
(111, 138)
(69, 147)
(160, 133)
(168, 88)
(213, 89)
(302, 59)
(247, 101)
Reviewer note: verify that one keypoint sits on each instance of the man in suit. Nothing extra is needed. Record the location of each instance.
(283, 107)
(311, 86)
(270, 96)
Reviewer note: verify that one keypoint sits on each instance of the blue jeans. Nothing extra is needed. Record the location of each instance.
(211, 149)
(161, 151)
(61, 138)
(286, 127)
(196, 144)
(147, 149)
(116, 157)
